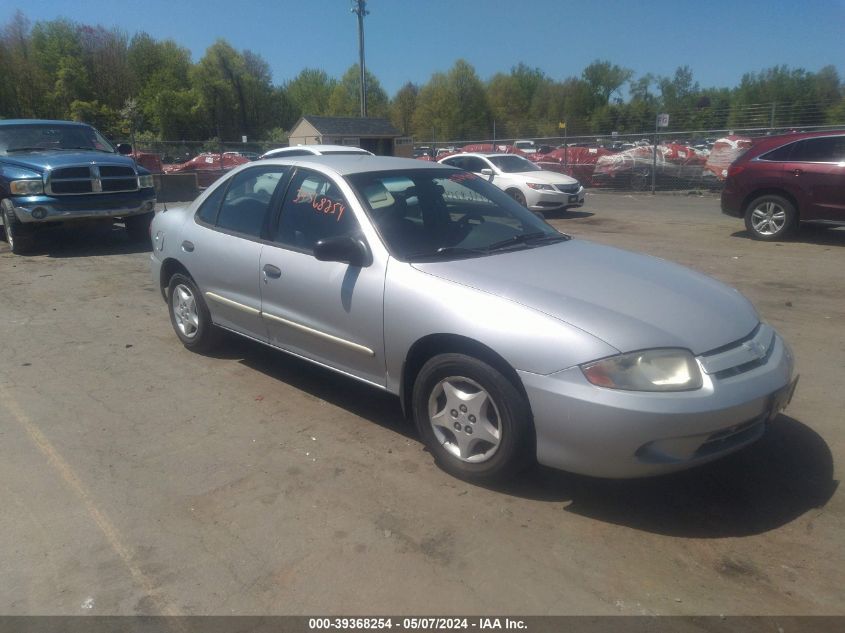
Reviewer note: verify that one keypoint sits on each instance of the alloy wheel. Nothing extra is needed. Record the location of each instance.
(768, 218)
(184, 307)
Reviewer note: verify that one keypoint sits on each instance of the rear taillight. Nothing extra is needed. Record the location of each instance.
(735, 170)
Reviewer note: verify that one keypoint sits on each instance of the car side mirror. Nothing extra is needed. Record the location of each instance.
(344, 248)
(487, 172)
(124, 148)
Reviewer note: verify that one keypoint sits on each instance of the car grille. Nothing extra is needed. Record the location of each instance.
(86, 179)
(740, 356)
(573, 188)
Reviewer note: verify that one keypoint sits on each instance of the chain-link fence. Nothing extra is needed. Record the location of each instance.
(684, 160)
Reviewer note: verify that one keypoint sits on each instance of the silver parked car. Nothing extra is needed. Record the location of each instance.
(507, 341)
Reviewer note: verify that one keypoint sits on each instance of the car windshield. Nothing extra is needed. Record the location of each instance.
(439, 214)
(513, 164)
(345, 152)
(47, 137)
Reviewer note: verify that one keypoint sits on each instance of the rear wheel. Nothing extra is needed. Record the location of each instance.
(473, 420)
(770, 218)
(138, 226)
(18, 236)
(189, 314)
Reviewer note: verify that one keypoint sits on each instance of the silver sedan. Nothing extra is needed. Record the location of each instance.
(507, 342)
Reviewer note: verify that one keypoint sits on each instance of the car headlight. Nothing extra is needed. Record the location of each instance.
(648, 370)
(540, 186)
(145, 181)
(30, 187)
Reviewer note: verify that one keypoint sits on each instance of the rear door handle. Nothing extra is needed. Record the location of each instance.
(797, 172)
(187, 246)
(271, 271)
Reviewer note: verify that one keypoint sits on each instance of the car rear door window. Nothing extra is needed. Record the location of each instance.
(779, 155)
(314, 209)
(829, 149)
(248, 198)
(211, 205)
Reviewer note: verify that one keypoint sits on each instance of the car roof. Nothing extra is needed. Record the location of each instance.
(348, 164)
(41, 122)
(482, 155)
(319, 148)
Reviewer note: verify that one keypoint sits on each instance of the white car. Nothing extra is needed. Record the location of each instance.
(525, 182)
(526, 147)
(313, 150)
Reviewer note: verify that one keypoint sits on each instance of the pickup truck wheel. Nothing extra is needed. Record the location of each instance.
(189, 314)
(18, 236)
(473, 420)
(138, 226)
(770, 218)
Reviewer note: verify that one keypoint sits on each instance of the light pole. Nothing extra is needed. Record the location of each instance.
(359, 8)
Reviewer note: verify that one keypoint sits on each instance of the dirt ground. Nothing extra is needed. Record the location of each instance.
(137, 477)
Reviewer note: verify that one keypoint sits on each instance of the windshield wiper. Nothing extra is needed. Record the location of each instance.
(529, 238)
(448, 250)
(25, 149)
(87, 149)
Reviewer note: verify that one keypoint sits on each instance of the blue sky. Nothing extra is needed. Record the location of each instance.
(408, 40)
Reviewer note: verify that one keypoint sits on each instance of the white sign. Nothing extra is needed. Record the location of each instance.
(663, 120)
(614, 134)
(243, 139)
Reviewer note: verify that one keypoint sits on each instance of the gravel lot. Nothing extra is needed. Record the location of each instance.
(137, 477)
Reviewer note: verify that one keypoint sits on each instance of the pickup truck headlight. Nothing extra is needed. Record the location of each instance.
(649, 370)
(30, 187)
(539, 186)
(145, 181)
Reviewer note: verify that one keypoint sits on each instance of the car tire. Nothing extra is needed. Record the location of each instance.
(18, 236)
(770, 218)
(189, 315)
(138, 226)
(472, 418)
(517, 195)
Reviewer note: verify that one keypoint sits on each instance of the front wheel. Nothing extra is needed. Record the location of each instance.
(473, 420)
(18, 236)
(517, 195)
(189, 314)
(770, 218)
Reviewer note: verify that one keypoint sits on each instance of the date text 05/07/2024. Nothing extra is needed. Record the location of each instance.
(415, 624)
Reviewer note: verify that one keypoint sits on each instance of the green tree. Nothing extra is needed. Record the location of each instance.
(310, 91)
(604, 79)
(402, 107)
(345, 98)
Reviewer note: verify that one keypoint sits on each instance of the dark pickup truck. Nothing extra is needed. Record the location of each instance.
(54, 172)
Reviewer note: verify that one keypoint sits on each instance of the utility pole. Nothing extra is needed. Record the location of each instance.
(359, 8)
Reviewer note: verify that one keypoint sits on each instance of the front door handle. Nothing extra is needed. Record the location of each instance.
(187, 246)
(271, 271)
(797, 172)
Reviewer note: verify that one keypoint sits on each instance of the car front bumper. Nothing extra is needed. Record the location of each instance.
(612, 433)
(43, 209)
(548, 200)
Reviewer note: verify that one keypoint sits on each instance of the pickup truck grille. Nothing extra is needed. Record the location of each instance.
(86, 179)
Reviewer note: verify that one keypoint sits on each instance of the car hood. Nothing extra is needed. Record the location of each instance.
(549, 177)
(630, 301)
(51, 159)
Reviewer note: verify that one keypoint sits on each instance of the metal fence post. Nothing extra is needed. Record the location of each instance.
(654, 156)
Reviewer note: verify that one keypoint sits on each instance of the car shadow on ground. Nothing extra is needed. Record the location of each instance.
(785, 474)
(86, 241)
(820, 234)
(559, 214)
(356, 397)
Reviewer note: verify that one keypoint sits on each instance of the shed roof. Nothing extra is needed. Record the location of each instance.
(350, 126)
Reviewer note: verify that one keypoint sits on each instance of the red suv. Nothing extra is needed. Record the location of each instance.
(784, 180)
